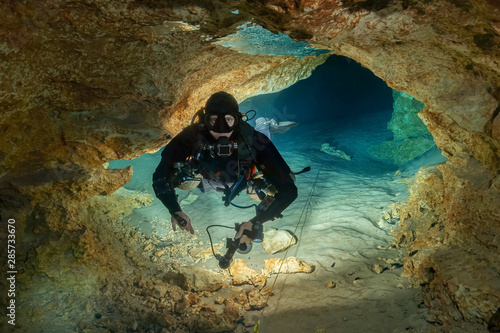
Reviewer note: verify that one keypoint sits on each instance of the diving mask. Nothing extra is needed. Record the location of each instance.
(220, 122)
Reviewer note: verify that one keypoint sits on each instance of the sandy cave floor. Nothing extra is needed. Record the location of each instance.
(342, 232)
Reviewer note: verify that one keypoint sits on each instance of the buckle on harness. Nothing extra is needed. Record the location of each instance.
(226, 149)
(223, 148)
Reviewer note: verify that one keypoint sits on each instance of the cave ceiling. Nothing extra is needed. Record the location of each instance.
(112, 80)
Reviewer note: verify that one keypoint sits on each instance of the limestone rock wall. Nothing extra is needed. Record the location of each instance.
(84, 82)
(450, 226)
(106, 81)
(411, 136)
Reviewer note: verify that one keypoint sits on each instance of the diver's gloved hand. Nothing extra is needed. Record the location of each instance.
(182, 220)
(244, 238)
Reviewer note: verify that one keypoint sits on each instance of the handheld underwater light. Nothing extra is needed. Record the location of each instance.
(182, 222)
(234, 245)
(258, 232)
(225, 261)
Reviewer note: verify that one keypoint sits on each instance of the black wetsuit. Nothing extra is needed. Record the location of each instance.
(226, 170)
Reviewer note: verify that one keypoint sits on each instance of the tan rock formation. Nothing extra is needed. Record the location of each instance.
(201, 279)
(277, 240)
(242, 274)
(85, 82)
(288, 266)
(450, 225)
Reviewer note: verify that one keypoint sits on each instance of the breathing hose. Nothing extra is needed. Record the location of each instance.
(234, 190)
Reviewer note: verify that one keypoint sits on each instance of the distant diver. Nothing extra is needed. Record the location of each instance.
(270, 126)
(221, 151)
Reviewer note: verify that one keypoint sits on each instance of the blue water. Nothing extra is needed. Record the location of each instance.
(339, 90)
(254, 39)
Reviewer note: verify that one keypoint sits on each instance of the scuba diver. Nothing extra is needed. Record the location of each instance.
(221, 151)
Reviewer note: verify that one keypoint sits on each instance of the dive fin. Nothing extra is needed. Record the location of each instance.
(306, 169)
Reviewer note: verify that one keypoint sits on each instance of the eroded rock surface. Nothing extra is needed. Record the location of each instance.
(85, 82)
(450, 225)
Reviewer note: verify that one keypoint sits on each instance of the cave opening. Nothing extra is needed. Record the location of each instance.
(348, 120)
(351, 127)
(354, 116)
(360, 169)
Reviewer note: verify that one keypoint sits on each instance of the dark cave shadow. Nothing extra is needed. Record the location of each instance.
(356, 316)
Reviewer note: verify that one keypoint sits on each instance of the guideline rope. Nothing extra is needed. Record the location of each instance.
(303, 214)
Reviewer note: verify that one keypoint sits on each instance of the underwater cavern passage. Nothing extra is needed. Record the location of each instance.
(356, 177)
(86, 82)
(339, 94)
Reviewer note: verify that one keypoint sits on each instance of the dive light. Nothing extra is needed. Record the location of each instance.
(182, 221)
(257, 232)
(234, 245)
(225, 261)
